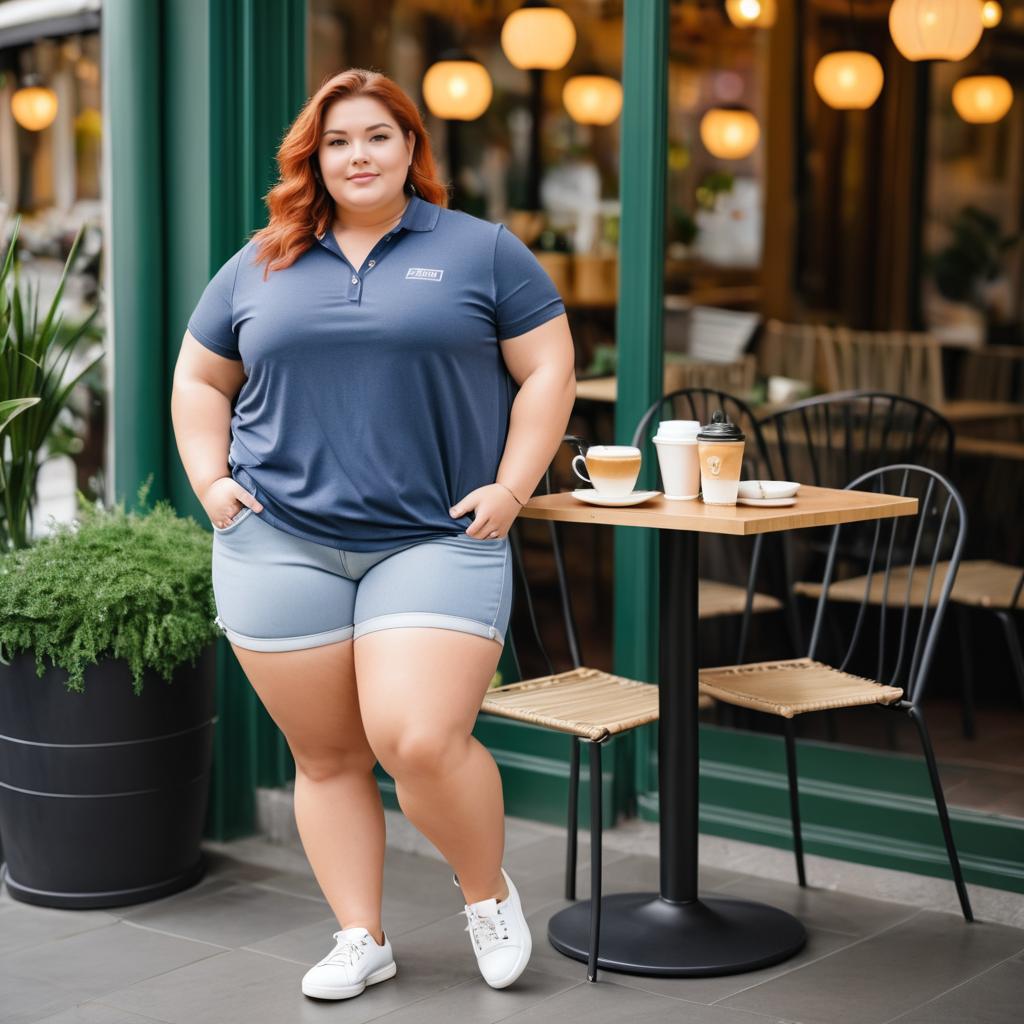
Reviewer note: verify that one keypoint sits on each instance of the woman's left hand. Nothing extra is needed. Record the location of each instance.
(495, 509)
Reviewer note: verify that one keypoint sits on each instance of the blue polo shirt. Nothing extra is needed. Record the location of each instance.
(376, 396)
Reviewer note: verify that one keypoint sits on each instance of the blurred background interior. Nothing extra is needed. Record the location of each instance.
(830, 224)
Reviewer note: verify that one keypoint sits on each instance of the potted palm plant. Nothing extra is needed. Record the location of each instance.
(105, 753)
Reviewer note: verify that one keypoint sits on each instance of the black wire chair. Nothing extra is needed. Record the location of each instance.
(881, 663)
(830, 439)
(720, 598)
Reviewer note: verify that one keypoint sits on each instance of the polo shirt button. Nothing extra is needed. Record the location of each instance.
(355, 280)
(372, 262)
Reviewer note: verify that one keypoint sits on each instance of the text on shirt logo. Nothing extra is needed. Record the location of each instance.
(423, 274)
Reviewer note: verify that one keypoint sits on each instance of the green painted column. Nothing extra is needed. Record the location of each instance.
(133, 154)
(643, 149)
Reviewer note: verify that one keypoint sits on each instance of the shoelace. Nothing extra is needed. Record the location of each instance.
(484, 928)
(348, 951)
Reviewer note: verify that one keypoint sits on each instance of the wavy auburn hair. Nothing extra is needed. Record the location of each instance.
(300, 205)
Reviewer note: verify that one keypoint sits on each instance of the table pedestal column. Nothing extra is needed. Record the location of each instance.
(672, 932)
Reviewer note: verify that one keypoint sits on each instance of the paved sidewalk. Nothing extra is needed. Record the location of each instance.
(234, 947)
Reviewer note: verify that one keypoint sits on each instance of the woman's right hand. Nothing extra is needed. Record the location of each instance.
(224, 499)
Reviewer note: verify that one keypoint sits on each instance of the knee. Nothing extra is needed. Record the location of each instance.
(417, 752)
(323, 765)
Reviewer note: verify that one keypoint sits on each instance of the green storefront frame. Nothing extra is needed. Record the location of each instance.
(199, 93)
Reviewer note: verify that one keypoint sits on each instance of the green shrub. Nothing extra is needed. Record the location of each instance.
(111, 585)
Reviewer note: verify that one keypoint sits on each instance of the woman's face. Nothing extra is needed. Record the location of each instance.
(364, 158)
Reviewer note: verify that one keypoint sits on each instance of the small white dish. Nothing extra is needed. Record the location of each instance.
(765, 489)
(591, 497)
(767, 502)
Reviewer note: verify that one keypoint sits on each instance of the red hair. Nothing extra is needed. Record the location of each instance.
(300, 205)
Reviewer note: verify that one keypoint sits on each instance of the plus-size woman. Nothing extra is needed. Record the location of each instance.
(345, 410)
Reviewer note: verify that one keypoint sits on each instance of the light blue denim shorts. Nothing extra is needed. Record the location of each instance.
(278, 592)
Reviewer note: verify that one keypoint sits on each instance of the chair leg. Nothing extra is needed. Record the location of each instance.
(794, 800)
(595, 858)
(573, 824)
(1013, 643)
(966, 670)
(940, 803)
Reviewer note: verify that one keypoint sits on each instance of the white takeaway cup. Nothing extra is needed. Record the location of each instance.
(676, 444)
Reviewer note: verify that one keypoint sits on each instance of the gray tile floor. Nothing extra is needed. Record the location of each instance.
(883, 946)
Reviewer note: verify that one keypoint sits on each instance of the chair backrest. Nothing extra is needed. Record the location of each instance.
(906, 573)
(527, 590)
(896, 361)
(829, 439)
(994, 373)
(698, 403)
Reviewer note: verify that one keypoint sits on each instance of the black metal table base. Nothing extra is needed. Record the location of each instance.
(643, 934)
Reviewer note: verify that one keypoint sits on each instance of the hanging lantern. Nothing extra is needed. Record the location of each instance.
(982, 99)
(991, 13)
(935, 29)
(730, 133)
(457, 90)
(592, 99)
(751, 13)
(34, 107)
(538, 36)
(848, 79)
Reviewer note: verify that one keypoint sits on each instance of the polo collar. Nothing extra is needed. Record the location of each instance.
(419, 216)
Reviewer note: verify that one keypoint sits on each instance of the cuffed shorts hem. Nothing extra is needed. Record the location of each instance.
(285, 643)
(438, 621)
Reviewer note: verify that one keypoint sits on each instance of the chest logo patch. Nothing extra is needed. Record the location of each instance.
(423, 274)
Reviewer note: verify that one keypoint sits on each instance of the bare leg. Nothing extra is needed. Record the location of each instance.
(419, 692)
(311, 695)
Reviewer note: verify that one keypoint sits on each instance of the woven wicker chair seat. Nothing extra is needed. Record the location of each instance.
(980, 583)
(583, 701)
(789, 688)
(729, 599)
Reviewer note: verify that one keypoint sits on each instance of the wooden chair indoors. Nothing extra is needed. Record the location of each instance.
(588, 704)
(886, 654)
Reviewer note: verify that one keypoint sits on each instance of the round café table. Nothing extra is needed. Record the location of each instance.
(674, 932)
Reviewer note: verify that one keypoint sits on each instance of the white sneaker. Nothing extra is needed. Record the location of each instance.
(355, 962)
(501, 937)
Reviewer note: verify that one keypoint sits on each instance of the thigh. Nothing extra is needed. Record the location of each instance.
(311, 696)
(275, 592)
(420, 689)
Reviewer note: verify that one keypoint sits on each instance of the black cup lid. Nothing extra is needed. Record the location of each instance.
(720, 429)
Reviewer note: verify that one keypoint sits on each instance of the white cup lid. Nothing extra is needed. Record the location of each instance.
(678, 428)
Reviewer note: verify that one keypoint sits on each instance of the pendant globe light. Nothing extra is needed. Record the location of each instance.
(34, 107)
(592, 99)
(538, 36)
(751, 13)
(991, 13)
(848, 79)
(457, 87)
(982, 99)
(935, 29)
(730, 133)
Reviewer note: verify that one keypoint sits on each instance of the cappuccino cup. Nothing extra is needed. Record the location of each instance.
(676, 444)
(720, 450)
(611, 468)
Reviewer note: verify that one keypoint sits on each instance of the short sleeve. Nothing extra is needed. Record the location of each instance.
(211, 321)
(524, 296)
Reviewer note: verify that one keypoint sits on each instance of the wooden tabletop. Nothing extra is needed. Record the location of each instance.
(605, 389)
(815, 506)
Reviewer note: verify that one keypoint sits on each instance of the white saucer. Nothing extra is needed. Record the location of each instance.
(764, 490)
(591, 497)
(767, 502)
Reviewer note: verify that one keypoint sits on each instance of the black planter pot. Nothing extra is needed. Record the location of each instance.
(103, 794)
